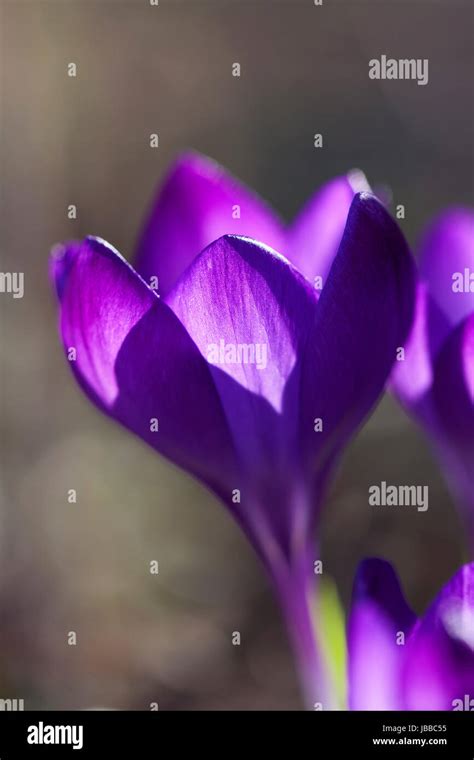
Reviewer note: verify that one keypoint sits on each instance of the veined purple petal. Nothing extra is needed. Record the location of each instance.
(446, 261)
(380, 621)
(249, 312)
(241, 292)
(134, 359)
(363, 316)
(199, 203)
(102, 300)
(439, 667)
(313, 239)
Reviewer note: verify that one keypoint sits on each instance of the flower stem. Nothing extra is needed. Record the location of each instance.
(296, 592)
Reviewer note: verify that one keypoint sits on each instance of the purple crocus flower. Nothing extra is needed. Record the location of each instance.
(240, 372)
(435, 382)
(397, 661)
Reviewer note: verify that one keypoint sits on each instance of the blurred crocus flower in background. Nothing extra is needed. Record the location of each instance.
(240, 371)
(397, 661)
(435, 382)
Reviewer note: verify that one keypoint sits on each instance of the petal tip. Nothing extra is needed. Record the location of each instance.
(195, 162)
(60, 262)
(370, 572)
(366, 196)
(240, 243)
(358, 181)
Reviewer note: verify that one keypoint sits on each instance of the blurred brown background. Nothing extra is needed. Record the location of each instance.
(167, 69)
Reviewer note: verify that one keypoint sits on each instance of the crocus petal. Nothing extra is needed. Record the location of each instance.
(314, 237)
(248, 310)
(439, 663)
(134, 359)
(447, 251)
(363, 316)
(412, 375)
(453, 404)
(380, 621)
(198, 203)
(239, 291)
(453, 388)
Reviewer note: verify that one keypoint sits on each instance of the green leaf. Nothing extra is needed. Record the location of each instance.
(330, 624)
